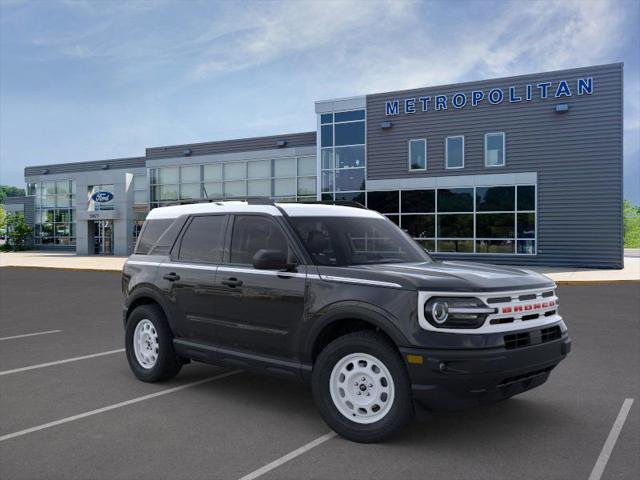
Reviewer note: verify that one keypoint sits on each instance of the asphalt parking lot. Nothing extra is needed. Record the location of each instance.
(91, 419)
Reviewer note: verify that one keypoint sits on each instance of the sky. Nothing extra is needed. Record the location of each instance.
(88, 80)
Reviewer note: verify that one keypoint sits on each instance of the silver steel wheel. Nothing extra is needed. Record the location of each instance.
(361, 388)
(145, 344)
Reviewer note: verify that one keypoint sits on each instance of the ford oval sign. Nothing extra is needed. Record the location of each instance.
(102, 197)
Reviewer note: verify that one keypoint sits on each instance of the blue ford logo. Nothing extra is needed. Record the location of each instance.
(102, 197)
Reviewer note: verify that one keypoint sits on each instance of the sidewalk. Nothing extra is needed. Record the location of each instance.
(69, 260)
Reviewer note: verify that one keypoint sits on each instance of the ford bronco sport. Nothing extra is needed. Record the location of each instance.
(339, 297)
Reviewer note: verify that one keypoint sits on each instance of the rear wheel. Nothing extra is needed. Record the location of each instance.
(149, 345)
(361, 387)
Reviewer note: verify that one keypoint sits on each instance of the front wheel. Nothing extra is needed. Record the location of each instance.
(149, 345)
(361, 387)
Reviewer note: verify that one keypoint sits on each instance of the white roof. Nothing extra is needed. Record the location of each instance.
(292, 209)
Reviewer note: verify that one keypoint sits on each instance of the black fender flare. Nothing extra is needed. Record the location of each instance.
(149, 292)
(366, 312)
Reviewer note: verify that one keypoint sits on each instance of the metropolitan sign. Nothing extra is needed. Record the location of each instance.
(494, 96)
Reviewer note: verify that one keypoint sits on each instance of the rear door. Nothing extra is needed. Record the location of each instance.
(191, 272)
(256, 310)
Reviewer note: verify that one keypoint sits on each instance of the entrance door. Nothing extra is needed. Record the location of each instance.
(103, 237)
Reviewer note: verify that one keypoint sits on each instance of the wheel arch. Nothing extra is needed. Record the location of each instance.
(144, 296)
(346, 318)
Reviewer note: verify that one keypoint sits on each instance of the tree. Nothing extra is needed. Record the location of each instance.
(3, 219)
(17, 230)
(631, 225)
(9, 191)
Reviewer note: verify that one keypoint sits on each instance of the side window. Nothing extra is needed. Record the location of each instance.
(204, 239)
(317, 239)
(252, 233)
(152, 230)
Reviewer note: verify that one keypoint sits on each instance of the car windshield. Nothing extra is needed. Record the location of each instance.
(344, 241)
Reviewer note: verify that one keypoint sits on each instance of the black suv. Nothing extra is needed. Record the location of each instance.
(339, 297)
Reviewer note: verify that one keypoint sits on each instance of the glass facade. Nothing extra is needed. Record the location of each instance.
(482, 220)
(343, 155)
(287, 179)
(54, 212)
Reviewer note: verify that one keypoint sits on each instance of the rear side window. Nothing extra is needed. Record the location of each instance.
(252, 233)
(151, 233)
(203, 241)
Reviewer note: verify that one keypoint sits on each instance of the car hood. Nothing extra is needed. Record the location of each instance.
(455, 276)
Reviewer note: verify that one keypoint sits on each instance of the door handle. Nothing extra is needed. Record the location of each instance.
(232, 282)
(172, 277)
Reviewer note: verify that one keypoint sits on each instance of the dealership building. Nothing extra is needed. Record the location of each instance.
(517, 170)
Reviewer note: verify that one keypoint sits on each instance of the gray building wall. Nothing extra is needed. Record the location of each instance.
(122, 214)
(79, 167)
(577, 157)
(233, 146)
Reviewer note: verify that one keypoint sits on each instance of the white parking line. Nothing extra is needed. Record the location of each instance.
(289, 456)
(115, 405)
(601, 463)
(29, 335)
(59, 362)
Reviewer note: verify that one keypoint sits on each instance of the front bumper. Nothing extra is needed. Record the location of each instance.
(449, 379)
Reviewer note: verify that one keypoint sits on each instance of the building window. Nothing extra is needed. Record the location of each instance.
(418, 154)
(454, 152)
(343, 155)
(54, 222)
(283, 179)
(494, 150)
(140, 190)
(481, 220)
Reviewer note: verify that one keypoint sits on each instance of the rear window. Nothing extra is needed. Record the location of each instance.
(157, 236)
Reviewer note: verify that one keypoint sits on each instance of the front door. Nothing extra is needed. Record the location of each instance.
(103, 237)
(256, 310)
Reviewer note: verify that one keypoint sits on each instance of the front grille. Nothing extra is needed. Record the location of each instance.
(499, 300)
(549, 334)
(497, 321)
(517, 340)
(528, 296)
(524, 339)
(523, 377)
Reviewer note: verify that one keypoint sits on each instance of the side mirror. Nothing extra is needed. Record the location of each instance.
(270, 260)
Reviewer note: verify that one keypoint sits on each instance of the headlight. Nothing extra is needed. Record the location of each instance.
(456, 312)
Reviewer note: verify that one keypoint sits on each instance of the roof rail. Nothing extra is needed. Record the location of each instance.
(342, 203)
(260, 201)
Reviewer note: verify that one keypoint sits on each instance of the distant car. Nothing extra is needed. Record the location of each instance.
(339, 297)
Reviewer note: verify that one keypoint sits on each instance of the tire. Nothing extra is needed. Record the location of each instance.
(337, 378)
(153, 359)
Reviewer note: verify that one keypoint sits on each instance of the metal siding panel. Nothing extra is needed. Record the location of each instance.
(577, 155)
(230, 146)
(114, 164)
